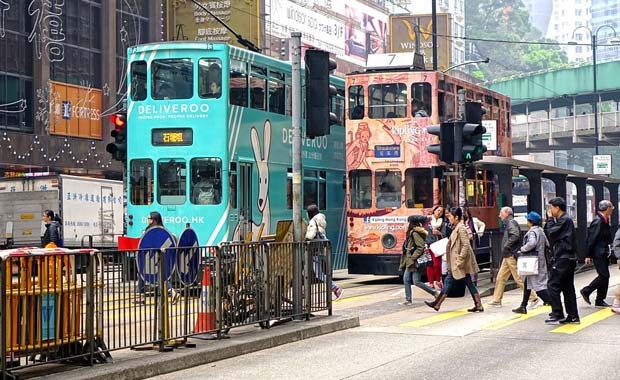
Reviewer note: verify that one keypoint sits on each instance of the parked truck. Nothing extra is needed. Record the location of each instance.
(91, 209)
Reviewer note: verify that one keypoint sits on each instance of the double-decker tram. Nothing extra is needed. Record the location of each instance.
(209, 144)
(391, 174)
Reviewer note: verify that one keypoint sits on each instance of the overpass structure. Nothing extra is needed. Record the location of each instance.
(553, 110)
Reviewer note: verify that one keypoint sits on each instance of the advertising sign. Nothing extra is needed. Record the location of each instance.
(75, 110)
(406, 31)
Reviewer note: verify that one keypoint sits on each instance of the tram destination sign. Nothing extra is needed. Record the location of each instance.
(172, 136)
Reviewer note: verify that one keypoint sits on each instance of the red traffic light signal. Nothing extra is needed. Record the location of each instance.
(118, 148)
(119, 120)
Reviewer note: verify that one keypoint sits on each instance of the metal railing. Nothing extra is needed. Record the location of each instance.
(566, 124)
(149, 299)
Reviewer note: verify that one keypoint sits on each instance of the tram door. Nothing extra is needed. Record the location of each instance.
(245, 198)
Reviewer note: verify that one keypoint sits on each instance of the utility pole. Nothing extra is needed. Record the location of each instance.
(460, 168)
(434, 27)
(296, 158)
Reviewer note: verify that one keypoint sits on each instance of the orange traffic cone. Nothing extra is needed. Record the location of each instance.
(206, 314)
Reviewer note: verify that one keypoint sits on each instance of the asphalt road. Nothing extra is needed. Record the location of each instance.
(400, 342)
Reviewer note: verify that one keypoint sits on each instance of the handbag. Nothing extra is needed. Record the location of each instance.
(527, 265)
(424, 260)
(439, 247)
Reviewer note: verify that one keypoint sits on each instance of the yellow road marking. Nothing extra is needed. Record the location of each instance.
(522, 317)
(435, 318)
(585, 322)
(351, 299)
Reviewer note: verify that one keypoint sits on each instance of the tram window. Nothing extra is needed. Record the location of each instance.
(418, 188)
(315, 188)
(360, 188)
(206, 181)
(238, 83)
(356, 102)
(277, 94)
(289, 97)
(141, 182)
(138, 80)
(209, 78)
(446, 106)
(172, 79)
(388, 188)
(258, 88)
(289, 188)
(387, 100)
(338, 105)
(171, 181)
(421, 99)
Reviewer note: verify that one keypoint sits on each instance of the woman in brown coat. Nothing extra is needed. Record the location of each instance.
(461, 262)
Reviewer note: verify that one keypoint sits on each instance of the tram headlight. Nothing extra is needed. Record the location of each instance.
(388, 241)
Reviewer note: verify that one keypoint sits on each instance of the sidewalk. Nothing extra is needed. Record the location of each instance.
(133, 365)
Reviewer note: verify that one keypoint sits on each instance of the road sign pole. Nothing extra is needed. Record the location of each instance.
(296, 152)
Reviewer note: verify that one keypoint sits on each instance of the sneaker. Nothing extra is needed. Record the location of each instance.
(615, 310)
(496, 303)
(520, 310)
(585, 296)
(405, 303)
(601, 304)
(337, 293)
(534, 303)
(571, 320)
(552, 321)
(175, 296)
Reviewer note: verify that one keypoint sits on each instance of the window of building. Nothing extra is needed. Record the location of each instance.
(172, 79)
(387, 100)
(209, 78)
(360, 188)
(418, 188)
(141, 182)
(206, 181)
(388, 188)
(171, 181)
(138, 80)
(238, 83)
(356, 102)
(315, 188)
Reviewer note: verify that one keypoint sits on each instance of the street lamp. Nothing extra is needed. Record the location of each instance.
(486, 60)
(614, 40)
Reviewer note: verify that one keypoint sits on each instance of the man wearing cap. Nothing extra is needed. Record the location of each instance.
(599, 239)
(511, 242)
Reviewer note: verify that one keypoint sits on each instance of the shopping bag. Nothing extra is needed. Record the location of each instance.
(527, 265)
(439, 247)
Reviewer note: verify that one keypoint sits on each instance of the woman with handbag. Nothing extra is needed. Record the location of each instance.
(412, 261)
(461, 262)
(533, 246)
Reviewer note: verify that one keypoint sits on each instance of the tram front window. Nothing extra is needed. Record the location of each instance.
(171, 177)
(388, 183)
(172, 79)
(141, 182)
(206, 181)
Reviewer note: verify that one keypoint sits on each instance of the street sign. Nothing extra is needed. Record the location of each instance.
(153, 241)
(188, 257)
(489, 138)
(601, 164)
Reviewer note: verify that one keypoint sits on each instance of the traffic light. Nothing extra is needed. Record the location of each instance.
(318, 93)
(118, 148)
(445, 149)
(468, 135)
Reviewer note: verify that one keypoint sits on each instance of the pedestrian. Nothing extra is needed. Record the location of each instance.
(316, 230)
(413, 248)
(51, 237)
(534, 243)
(155, 220)
(598, 245)
(511, 242)
(434, 228)
(560, 231)
(461, 263)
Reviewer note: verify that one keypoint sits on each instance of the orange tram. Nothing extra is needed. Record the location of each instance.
(389, 172)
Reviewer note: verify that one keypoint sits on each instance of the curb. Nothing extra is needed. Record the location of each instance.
(180, 359)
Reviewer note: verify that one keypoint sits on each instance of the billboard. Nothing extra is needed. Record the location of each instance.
(187, 21)
(75, 110)
(406, 31)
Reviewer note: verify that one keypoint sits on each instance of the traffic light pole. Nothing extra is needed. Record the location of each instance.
(296, 158)
(460, 168)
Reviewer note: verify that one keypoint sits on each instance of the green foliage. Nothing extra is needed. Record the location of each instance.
(504, 21)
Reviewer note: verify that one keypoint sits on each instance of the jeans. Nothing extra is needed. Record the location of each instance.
(413, 277)
(319, 272)
(449, 281)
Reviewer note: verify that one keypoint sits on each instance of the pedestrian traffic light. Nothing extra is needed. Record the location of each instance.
(118, 148)
(318, 93)
(445, 149)
(468, 135)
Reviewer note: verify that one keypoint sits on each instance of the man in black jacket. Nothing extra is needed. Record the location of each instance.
(560, 231)
(599, 239)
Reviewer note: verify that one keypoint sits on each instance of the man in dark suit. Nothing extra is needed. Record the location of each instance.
(599, 239)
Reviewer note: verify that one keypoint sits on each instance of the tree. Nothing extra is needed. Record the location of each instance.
(507, 23)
